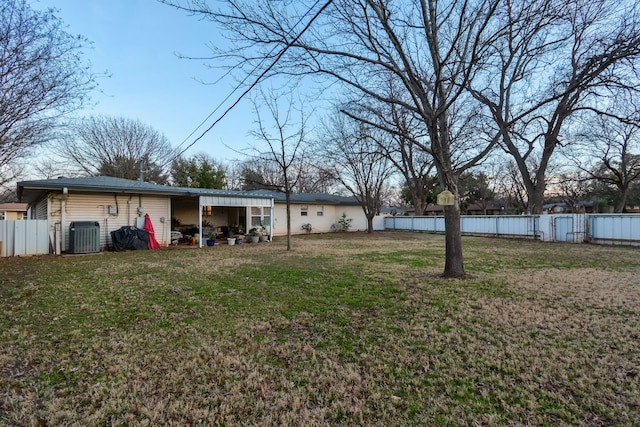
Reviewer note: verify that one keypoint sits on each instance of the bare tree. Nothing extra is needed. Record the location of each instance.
(572, 188)
(43, 78)
(313, 178)
(51, 167)
(352, 156)
(8, 195)
(285, 137)
(429, 47)
(257, 173)
(509, 187)
(405, 147)
(233, 176)
(119, 147)
(8, 173)
(551, 60)
(607, 147)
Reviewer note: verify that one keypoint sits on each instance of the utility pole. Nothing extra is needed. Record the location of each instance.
(142, 171)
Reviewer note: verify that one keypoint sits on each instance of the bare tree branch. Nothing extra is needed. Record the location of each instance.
(43, 78)
(115, 146)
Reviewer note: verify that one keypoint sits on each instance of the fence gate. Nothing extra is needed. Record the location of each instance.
(562, 228)
(570, 228)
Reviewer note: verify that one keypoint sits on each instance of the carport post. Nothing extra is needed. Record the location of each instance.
(272, 216)
(200, 221)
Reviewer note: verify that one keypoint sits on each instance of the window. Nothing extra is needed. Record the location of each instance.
(320, 211)
(207, 211)
(304, 210)
(260, 216)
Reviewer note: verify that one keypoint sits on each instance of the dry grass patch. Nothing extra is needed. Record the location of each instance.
(572, 338)
(346, 329)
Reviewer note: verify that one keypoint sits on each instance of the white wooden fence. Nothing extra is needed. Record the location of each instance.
(24, 237)
(577, 228)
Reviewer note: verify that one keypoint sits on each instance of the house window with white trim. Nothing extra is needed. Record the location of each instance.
(260, 215)
(320, 211)
(304, 210)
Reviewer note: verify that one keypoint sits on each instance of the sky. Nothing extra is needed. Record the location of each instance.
(135, 43)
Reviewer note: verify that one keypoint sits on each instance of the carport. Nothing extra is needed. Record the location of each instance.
(204, 210)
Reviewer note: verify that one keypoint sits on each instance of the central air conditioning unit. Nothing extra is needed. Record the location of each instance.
(84, 237)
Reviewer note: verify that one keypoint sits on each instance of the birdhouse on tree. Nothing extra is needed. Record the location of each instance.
(446, 198)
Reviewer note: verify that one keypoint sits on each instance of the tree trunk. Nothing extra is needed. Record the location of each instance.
(420, 205)
(536, 200)
(453, 242)
(624, 191)
(370, 224)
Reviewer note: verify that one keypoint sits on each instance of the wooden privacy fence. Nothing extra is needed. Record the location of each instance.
(576, 228)
(24, 237)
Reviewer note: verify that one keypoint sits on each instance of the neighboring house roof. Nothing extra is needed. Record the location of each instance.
(392, 210)
(13, 207)
(29, 191)
(489, 206)
(555, 206)
(310, 198)
(434, 208)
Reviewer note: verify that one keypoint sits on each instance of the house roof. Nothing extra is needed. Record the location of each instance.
(555, 205)
(392, 210)
(30, 191)
(434, 208)
(310, 198)
(13, 207)
(488, 206)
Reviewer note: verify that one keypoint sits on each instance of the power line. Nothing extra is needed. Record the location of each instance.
(255, 82)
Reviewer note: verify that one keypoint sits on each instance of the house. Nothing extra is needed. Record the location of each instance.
(485, 208)
(392, 211)
(556, 207)
(115, 202)
(315, 212)
(13, 211)
(434, 210)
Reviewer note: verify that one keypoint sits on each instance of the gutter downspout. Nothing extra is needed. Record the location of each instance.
(63, 209)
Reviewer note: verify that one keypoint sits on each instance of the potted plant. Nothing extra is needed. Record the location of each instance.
(254, 235)
(211, 241)
(262, 232)
(237, 232)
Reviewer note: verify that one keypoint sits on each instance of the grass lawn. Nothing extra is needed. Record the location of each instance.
(346, 329)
